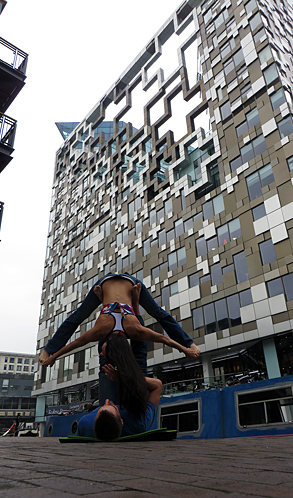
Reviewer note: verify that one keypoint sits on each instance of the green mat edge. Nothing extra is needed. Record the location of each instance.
(82, 439)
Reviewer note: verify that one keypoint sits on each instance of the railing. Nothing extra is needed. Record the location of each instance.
(13, 56)
(7, 130)
(202, 384)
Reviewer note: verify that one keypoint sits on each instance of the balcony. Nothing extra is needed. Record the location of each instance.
(7, 134)
(13, 63)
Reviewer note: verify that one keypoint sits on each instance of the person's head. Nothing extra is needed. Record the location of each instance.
(132, 388)
(108, 422)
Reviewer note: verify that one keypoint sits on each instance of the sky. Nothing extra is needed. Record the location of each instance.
(77, 50)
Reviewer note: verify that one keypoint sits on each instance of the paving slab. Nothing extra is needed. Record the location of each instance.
(234, 468)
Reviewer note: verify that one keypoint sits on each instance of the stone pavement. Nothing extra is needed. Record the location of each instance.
(234, 468)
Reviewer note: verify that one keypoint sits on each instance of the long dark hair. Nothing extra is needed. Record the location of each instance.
(132, 388)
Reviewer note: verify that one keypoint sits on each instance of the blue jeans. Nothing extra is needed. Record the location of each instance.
(91, 302)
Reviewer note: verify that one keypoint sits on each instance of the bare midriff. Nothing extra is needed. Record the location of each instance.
(117, 290)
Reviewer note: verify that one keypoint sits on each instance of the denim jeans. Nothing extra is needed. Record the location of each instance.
(91, 302)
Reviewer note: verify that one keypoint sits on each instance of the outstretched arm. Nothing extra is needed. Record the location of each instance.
(146, 334)
(91, 335)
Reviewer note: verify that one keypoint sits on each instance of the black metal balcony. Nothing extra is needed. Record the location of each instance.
(13, 63)
(7, 135)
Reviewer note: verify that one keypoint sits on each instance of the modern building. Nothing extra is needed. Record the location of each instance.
(16, 384)
(196, 200)
(13, 63)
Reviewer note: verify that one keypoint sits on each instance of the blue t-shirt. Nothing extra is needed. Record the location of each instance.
(131, 423)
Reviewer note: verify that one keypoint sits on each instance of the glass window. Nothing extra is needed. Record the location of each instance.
(162, 238)
(132, 256)
(168, 206)
(225, 110)
(285, 127)
(270, 74)
(207, 209)
(188, 224)
(179, 230)
(11, 360)
(174, 288)
(250, 6)
(255, 21)
(201, 246)
(267, 252)
(146, 247)
(227, 269)
(277, 99)
(170, 235)
(155, 272)
(288, 284)
(161, 214)
(265, 54)
(246, 153)
(234, 229)
(290, 163)
(252, 117)
(209, 318)
(197, 318)
(218, 203)
(242, 128)
(266, 175)
(258, 212)
(234, 310)
(236, 163)
(181, 255)
(216, 274)
(238, 57)
(245, 297)
(193, 280)
(212, 244)
(172, 261)
(259, 145)
(275, 287)
(223, 235)
(222, 314)
(240, 267)
(152, 217)
(165, 292)
(19, 360)
(259, 35)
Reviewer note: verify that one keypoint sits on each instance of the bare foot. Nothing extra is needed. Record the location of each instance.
(99, 293)
(194, 350)
(135, 297)
(43, 356)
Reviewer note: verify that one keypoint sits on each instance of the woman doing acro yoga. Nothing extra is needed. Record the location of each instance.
(120, 300)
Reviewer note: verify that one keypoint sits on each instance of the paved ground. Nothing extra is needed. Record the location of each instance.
(42, 467)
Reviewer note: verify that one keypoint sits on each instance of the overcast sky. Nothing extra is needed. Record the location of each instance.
(77, 50)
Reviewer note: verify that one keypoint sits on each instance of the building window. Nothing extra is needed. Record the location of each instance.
(258, 180)
(216, 274)
(19, 368)
(213, 207)
(259, 212)
(260, 34)
(288, 285)
(277, 99)
(240, 267)
(225, 110)
(201, 246)
(193, 280)
(270, 74)
(250, 6)
(267, 252)
(255, 21)
(265, 55)
(245, 298)
(165, 293)
(26, 361)
(146, 247)
(290, 163)
(234, 310)
(11, 360)
(25, 368)
(11, 367)
(19, 360)
(275, 287)
(285, 127)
